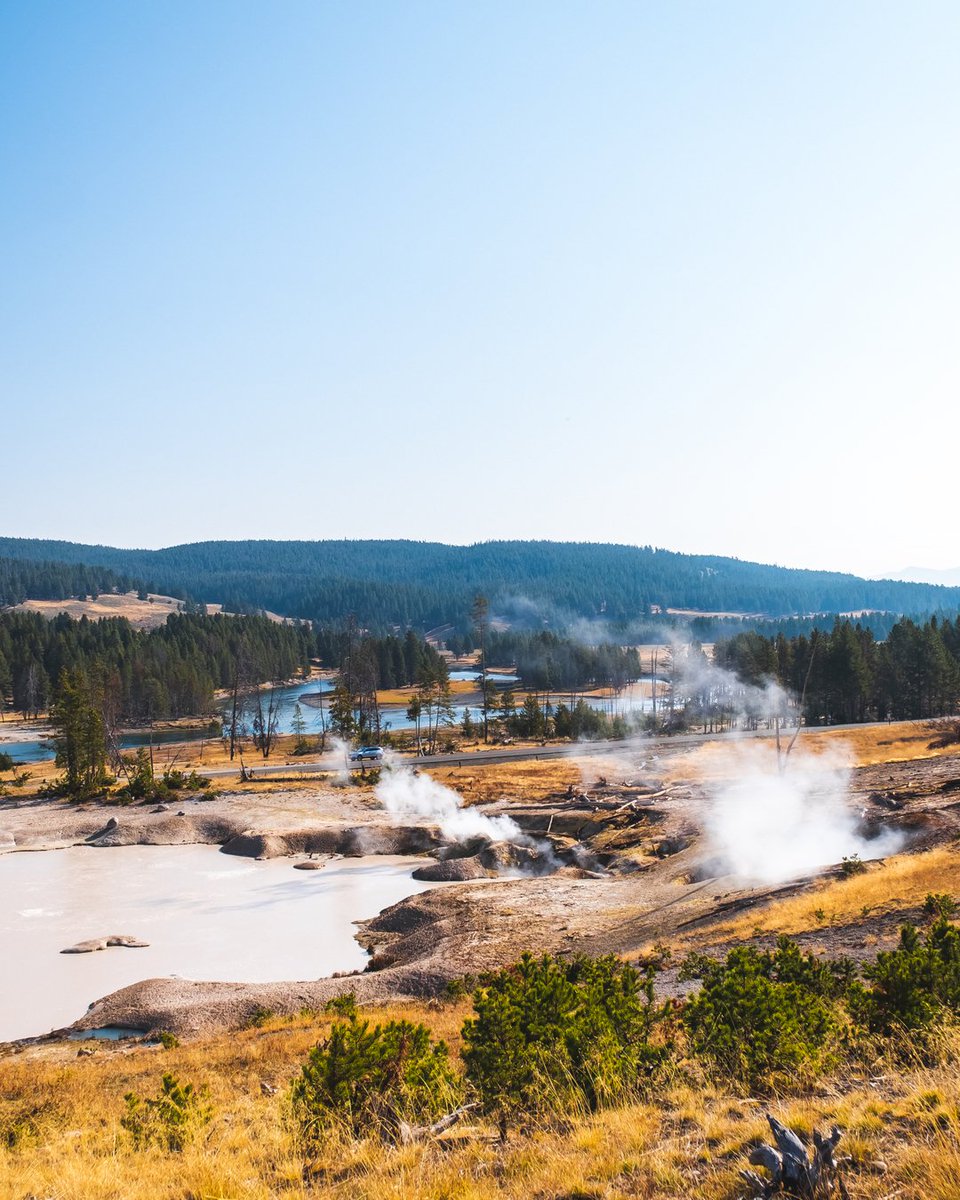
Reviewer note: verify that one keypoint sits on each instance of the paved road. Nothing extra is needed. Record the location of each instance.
(334, 762)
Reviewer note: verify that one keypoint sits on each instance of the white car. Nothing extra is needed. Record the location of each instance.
(367, 754)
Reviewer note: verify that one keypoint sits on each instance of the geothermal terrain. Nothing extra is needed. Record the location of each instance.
(650, 847)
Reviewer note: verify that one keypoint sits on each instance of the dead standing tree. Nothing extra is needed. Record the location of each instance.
(242, 675)
(266, 719)
(783, 758)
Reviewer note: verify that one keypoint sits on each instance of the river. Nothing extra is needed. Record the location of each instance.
(633, 700)
(205, 914)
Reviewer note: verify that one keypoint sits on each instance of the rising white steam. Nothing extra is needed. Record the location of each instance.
(340, 751)
(409, 796)
(698, 680)
(765, 826)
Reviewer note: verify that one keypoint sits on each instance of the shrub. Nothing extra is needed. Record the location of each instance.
(143, 784)
(6, 761)
(940, 904)
(170, 1120)
(27, 1123)
(342, 1006)
(550, 1035)
(915, 985)
(761, 1015)
(368, 1080)
(853, 865)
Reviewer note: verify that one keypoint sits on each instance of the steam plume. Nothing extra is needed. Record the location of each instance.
(406, 795)
(766, 826)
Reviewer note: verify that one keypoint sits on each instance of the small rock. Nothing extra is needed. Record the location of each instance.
(86, 1051)
(454, 870)
(310, 864)
(115, 939)
(160, 808)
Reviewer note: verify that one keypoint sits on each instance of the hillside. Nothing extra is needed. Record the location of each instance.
(142, 614)
(427, 584)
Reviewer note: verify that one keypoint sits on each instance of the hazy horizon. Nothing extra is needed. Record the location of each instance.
(653, 274)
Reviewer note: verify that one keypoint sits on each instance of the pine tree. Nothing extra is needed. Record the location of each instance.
(80, 737)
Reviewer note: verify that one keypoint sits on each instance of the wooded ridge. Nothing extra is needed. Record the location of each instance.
(427, 584)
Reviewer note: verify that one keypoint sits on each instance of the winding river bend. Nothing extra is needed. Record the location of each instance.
(205, 914)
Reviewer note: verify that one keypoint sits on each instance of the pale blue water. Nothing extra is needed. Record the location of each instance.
(631, 702)
(39, 750)
(472, 675)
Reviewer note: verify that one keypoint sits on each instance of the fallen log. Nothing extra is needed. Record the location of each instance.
(418, 1133)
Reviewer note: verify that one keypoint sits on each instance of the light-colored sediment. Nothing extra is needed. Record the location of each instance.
(653, 888)
(91, 945)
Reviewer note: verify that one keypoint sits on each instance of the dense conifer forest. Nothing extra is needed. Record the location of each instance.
(846, 675)
(29, 579)
(424, 585)
(370, 602)
(172, 671)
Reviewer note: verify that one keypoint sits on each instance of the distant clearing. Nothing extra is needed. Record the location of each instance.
(144, 614)
(701, 612)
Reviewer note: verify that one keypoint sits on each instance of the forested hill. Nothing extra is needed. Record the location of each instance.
(36, 579)
(426, 584)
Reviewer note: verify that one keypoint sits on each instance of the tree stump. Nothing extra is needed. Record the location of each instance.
(792, 1170)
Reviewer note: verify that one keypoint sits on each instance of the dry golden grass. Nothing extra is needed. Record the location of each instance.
(902, 741)
(902, 881)
(144, 614)
(690, 1139)
(515, 780)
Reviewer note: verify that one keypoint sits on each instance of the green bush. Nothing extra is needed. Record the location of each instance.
(342, 1006)
(143, 784)
(369, 1080)
(914, 986)
(760, 1015)
(940, 904)
(170, 1120)
(853, 865)
(552, 1035)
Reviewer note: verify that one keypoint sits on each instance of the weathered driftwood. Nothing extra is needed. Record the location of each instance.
(418, 1133)
(792, 1171)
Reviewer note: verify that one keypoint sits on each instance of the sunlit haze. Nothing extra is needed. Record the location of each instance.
(681, 274)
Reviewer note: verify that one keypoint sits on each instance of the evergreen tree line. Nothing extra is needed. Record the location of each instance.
(26, 580)
(425, 585)
(390, 661)
(846, 675)
(548, 662)
(167, 672)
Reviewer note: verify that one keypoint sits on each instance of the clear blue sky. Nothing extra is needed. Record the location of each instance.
(673, 273)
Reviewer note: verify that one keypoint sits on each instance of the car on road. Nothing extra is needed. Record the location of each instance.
(367, 754)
